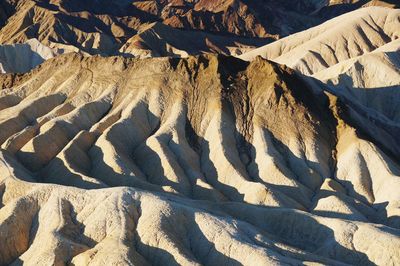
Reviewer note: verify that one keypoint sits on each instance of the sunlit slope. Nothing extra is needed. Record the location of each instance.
(221, 161)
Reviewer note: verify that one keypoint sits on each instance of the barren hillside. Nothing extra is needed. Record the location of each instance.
(130, 135)
(181, 27)
(222, 162)
(356, 55)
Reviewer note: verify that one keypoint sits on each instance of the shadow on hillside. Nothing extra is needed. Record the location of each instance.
(370, 124)
(194, 245)
(192, 240)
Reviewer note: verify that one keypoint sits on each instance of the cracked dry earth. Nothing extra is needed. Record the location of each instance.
(208, 160)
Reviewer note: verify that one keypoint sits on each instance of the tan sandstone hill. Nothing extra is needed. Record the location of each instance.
(208, 160)
(339, 39)
(103, 27)
(356, 54)
(162, 28)
(158, 39)
(20, 58)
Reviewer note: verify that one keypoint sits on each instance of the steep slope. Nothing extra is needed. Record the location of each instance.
(222, 162)
(7, 9)
(161, 40)
(20, 58)
(55, 27)
(355, 54)
(384, 3)
(107, 27)
(339, 39)
(372, 79)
